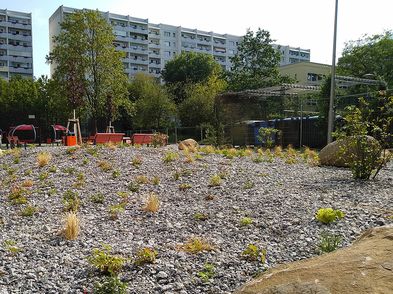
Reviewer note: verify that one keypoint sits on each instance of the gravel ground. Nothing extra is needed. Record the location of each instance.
(282, 204)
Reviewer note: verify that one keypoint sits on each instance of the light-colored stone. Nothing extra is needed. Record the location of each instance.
(333, 154)
(360, 268)
(189, 144)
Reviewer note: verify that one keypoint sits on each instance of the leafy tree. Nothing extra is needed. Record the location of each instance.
(88, 67)
(154, 106)
(189, 68)
(370, 55)
(255, 65)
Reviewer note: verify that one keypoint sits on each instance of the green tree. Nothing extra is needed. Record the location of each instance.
(88, 67)
(370, 55)
(255, 65)
(154, 106)
(189, 68)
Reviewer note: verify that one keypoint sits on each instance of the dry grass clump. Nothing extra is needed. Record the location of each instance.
(208, 149)
(141, 179)
(195, 245)
(188, 156)
(136, 161)
(311, 157)
(155, 180)
(43, 158)
(71, 227)
(105, 165)
(278, 151)
(110, 145)
(152, 203)
(27, 183)
(215, 181)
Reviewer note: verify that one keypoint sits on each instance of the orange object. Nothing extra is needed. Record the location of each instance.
(70, 141)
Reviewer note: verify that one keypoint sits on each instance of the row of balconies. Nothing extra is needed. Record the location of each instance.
(131, 29)
(131, 39)
(16, 25)
(16, 58)
(16, 36)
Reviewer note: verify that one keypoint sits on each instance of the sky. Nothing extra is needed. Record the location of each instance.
(302, 23)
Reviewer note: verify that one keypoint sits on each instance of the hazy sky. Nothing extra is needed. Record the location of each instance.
(302, 23)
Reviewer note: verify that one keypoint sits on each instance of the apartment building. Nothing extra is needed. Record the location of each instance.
(149, 46)
(16, 50)
(291, 55)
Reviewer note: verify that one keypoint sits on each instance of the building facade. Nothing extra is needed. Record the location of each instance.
(16, 46)
(148, 47)
(306, 73)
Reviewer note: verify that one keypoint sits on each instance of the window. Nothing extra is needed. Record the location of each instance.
(167, 34)
(167, 53)
(232, 43)
(167, 43)
(231, 51)
(174, 35)
(313, 77)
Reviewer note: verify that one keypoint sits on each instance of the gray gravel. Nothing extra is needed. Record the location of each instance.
(282, 205)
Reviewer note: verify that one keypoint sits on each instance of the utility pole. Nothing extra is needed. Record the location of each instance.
(333, 81)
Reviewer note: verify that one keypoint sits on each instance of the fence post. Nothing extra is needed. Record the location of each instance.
(175, 134)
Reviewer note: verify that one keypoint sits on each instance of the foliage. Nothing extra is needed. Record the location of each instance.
(159, 140)
(248, 185)
(329, 242)
(328, 215)
(71, 201)
(71, 227)
(207, 273)
(29, 211)
(111, 285)
(136, 161)
(43, 176)
(105, 165)
(196, 245)
(246, 221)
(255, 64)
(141, 179)
(107, 263)
(201, 216)
(254, 253)
(10, 246)
(115, 174)
(43, 158)
(155, 180)
(133, 187)
(184, 186)
(170, 156)
(115, 210)
(98, 198)
(145, 255)
(215, 180)
(268, 136)
(152, 203)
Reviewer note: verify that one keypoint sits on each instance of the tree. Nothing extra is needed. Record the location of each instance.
(189, 68)
(370, 55)
(154, 106)
(88, 67)
(255, 65)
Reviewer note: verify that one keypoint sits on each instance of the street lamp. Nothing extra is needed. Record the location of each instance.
(333, 81)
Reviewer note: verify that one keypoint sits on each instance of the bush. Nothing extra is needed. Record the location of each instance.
(28, 211)
(105, 262)
(246, 221)
(111, 285)
(71, 201)
(254, 253)
(328, 215)
(215, 181)
(195, 245)
(207, 273)
(159, 140)
(170, 156)
(268, 136)
(115, 210)
(145, 255)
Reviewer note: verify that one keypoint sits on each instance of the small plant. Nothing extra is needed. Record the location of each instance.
(71, 150)
(208, 149)
(248, 185)
(136, 161)
(28, 211)
(328, 215)
(53, 169)
(170, 156)
(17, 195)
(10, 246)
(209, 197)
(115, 174)
(69, 170)
(116, 210)
(176, 175)
(71, 226)
(98, 198)
(196, 245)
(105, 165)
(111, 285)
(278, 151)
(92, 151)
(246, 221)
(201, 216)
(43, 158)
(254, 253)
(145, 255)
(71, 201)
(85, 161)
(155, 180)
(16, 160)
(268, 136)
(52, 192)
(184, 186)
(258, 159)
(152, 203)
(105, 262)
(124, 196)
(28, 172)
(27, 183)
(311, 157)
(80, 180)
(133, 187)
(215, 181)
(141, 179)
(329, 242)
(43, 176)
(207, 273)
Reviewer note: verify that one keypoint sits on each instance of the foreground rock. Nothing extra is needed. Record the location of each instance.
(333, 155)
(365, 267)
(189, 144)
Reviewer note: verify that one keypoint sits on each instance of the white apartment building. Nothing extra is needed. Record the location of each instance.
(16, 49)
(149, 46)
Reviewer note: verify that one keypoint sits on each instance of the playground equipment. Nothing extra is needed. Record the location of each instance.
(22, 134)
(76, 137)
(58, 133)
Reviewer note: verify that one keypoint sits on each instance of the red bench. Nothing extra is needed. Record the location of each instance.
(102, 138)
(141, 139)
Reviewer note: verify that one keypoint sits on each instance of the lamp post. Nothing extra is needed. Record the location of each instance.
(333, 81)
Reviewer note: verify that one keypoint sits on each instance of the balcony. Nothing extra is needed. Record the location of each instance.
(18, 37)
(3, 68)
(138, 50)
(219, 53)
(138, 40)
(21, 70)
(137, 30)
(140, 61)
(154, 45)
(20, 59)
(16, 25)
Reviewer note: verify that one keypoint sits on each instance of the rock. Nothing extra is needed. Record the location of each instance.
(332, 154)
(189, 144)
(162, 275)
(364, 267)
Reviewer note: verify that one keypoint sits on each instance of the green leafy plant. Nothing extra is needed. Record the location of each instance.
(43, 176)
(71, 201)
(196, 245)
(110, 285)
(103, 260)
(246, 221)
(170, 156)
(329, 242)
(215, 181)
(97, 198)
(145, 255)
(207, 273)
(184, 186)
(10, 246)
(268, 136)
(29, 211)
(248, 185)
(254, 253)
(201, 216)
(133, 187)
(328, 215)
(116, 210)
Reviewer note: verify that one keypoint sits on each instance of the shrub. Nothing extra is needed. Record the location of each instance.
(71, 201)
(201, 216)
(195, 245)
(71, 227)
(145, 255)
(43, 158)
(254, 253)
(208, 149)
(115, 210)
(278, 151)
(17, 195)
(246, 221)
(92, 151)
(328, 215)
(215, 181)
(80, 180)
(207, 272)
(97, 198)
(268, 136)
(328, 242)
(152, 203)
(136, 161)
(258, 159)
(184, 186)
(111, 285)
(142, 179)
(159, 140)
(105, 262)
(105, 165)
(28, 211)
(170, 156)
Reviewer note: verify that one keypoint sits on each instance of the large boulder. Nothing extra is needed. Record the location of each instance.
(188, 144)
(333, 154)
(364, 267)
